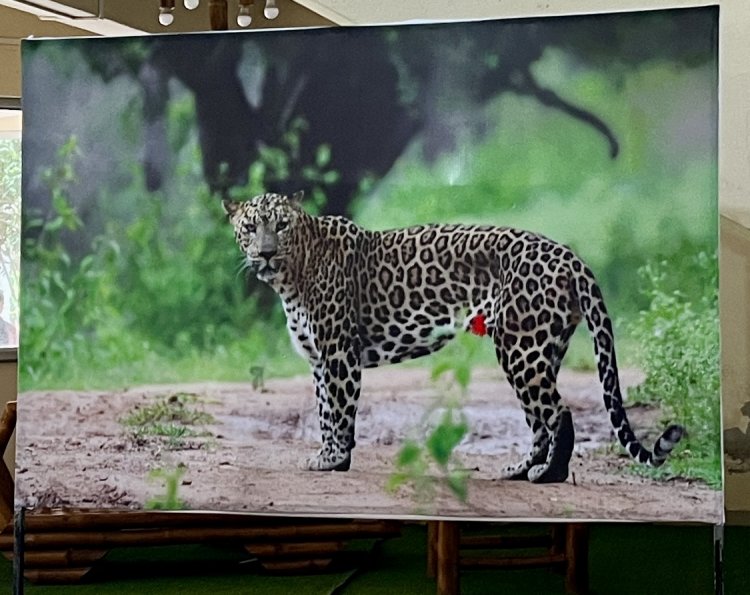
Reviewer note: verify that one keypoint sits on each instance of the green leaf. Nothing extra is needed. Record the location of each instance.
(458, 484)
(395, 481)
(331, 177)
(444, 438)
(409, 454)
(463, 375)
(323, 155)
(439, 369)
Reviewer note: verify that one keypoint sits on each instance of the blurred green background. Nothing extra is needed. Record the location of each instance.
(129, 270)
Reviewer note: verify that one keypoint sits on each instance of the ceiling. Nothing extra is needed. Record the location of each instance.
(120, 17)
(21, 19)
(116, 17)
(128, 17)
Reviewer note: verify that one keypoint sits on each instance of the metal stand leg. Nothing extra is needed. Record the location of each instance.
(19, 535)
(719, 559)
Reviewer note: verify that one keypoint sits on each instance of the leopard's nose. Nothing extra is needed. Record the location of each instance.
(268, 254)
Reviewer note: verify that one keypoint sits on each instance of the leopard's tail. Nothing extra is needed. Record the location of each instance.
(591, 304)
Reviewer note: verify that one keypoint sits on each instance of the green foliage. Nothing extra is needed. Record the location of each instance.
(171, 481)
(187, 305)
(177, 271)
(10, 217)
(171, 418)
(445, 437)
(679, 337)
(63, 298)
(156, 297)
(427, 463)
(179, 407)
(278, 164)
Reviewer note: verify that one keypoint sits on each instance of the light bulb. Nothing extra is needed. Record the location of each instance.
(166, 17)
(191, 4)
(243, 16)
(270, 11)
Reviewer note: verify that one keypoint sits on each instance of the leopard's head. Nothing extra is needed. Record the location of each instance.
(264, 229)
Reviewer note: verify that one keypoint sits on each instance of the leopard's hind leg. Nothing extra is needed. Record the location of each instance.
(526, 395)
(538, 453)
(530, 347)
(549, 419)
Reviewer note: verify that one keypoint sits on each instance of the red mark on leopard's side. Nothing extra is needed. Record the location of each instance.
(478, 325)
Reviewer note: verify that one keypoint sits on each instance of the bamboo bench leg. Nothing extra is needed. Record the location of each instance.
(432, 533)
(448, 552)
(447, 568)
(577, 555)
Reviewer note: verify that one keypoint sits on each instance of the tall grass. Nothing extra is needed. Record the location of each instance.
(150, 301)
(679, 340)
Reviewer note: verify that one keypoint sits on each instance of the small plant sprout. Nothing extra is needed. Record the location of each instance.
(170, 419)
(257, 373)
(171, 481)
(429, 462)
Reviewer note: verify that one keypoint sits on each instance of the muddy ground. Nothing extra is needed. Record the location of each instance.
(73, 450)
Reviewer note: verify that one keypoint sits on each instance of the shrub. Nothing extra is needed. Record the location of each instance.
(679, 340)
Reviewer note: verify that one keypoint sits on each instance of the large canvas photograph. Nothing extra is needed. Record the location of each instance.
(440, 270)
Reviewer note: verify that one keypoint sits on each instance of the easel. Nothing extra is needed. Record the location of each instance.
(61, 546)
(563, 547)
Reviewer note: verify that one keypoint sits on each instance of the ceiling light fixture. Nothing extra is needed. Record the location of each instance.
(243, 13)
(271, 11)
(166, 8)
(217, 10)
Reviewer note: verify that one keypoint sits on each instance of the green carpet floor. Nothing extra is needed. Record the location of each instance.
(624, 559)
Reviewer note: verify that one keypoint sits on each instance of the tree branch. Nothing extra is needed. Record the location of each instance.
(525, 83)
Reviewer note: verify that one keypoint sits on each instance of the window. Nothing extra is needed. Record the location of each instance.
(10, 229)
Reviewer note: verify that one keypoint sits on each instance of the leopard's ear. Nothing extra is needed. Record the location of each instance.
(230, 207)
(297, 197)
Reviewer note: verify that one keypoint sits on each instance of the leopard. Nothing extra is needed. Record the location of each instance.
(356, 298)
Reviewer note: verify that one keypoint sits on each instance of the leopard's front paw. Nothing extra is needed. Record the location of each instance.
(515, 472)
(327, 461)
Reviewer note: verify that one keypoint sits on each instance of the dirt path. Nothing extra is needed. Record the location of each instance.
(73, 451)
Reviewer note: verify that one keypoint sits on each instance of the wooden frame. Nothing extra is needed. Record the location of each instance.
(563, 547)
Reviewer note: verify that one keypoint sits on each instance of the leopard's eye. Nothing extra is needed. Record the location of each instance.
(250, 227)
(282, 225)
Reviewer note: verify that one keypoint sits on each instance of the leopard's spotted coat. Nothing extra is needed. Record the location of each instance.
(356, 298)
